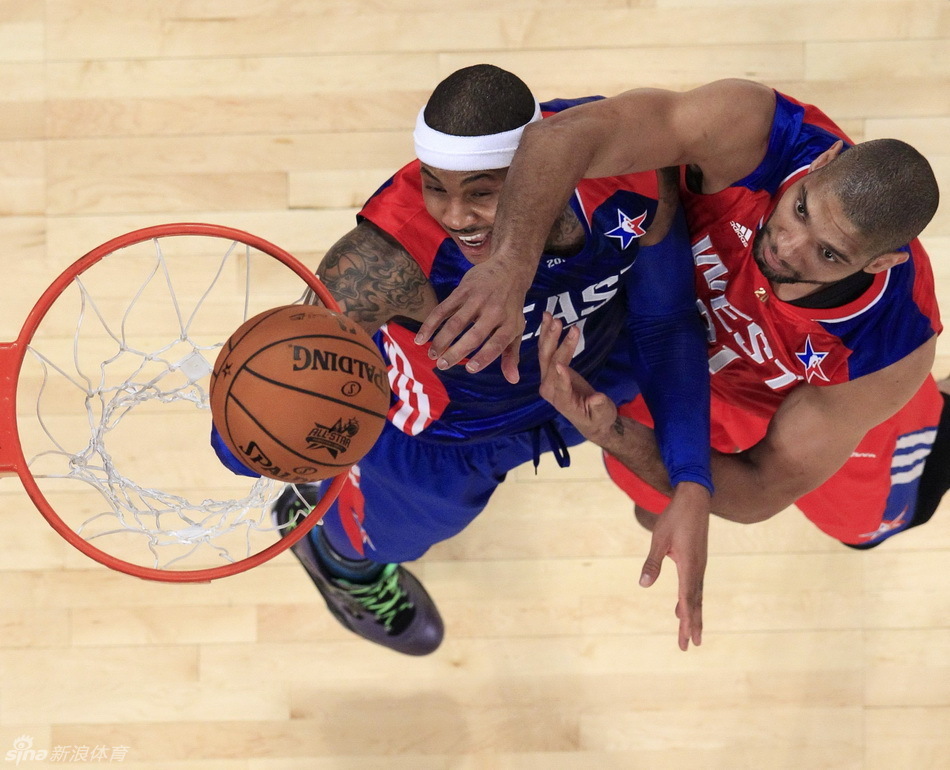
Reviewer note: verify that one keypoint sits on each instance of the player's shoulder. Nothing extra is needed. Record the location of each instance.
(749, 96)
(798, 134)
(901, 299)
(398, 209)
(723, 128)
(404, 188)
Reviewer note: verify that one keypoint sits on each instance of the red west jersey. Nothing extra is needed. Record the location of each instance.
(762, 347)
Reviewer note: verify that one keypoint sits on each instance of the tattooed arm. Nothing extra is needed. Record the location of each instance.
(374, 279)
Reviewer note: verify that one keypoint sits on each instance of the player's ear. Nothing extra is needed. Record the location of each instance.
(827, 156)
(885, 261)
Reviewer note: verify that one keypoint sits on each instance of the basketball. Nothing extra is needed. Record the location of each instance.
(299, 393)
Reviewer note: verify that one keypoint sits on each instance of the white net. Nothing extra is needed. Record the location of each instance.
(113, 410)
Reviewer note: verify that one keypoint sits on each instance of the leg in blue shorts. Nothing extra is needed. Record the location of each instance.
(402, 498)
(412, 494)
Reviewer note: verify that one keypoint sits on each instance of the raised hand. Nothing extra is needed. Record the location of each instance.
(590, 411)
(485, 313)
(682, 533)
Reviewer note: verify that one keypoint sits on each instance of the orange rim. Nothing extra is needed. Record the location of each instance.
(13, 461)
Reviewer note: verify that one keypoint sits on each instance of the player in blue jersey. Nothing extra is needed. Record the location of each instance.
(616, 267)
(819, 302)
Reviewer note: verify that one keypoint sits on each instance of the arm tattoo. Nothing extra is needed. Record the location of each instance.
(372, 278)
(567, 235)
(617, 427)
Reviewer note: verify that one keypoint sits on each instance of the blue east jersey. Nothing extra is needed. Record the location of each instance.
(583, 290)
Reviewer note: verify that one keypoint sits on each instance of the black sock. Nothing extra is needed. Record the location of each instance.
(352, 570)
(935, 480)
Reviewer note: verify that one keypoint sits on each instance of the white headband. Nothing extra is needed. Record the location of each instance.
(467, 153)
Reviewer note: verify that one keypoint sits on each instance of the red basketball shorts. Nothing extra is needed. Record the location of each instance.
(872, 496)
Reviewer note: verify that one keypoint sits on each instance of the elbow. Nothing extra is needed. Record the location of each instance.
(755, 505)
(745, 514)
(750, 488)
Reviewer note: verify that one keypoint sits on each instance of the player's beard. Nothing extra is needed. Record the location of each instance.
(791, 276)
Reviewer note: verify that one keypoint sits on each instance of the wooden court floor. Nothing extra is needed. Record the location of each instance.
(279, 117)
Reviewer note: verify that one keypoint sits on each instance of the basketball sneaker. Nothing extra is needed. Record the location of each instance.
(393, 610)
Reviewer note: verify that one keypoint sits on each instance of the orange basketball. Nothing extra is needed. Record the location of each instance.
(299, 393)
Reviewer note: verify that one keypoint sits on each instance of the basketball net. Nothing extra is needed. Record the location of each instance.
(113, 409)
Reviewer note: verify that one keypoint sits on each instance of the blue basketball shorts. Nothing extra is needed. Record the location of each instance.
(408, 494)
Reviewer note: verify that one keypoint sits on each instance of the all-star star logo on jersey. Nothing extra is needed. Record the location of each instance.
(627, 229)
(887, 526)
(811, 359)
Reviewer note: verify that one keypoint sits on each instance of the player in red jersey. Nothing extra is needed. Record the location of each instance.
(822, 321)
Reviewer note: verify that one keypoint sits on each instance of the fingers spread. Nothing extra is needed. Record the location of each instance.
(436, 318)
(456, 339)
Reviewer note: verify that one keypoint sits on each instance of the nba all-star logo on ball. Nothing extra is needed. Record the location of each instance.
(299, 393)
(334, 438)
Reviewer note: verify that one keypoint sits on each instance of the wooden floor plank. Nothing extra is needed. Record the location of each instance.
(279, 117)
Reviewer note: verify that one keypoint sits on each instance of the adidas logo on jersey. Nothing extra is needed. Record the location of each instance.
(744, 233)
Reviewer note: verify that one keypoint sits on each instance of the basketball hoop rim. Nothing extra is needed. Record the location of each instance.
(12, 354)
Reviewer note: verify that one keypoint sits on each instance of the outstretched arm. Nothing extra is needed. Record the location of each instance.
(683, 536)
(722, 128)
(669, 354)
(809, 438)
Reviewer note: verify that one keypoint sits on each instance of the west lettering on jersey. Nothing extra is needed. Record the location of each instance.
(743, 334)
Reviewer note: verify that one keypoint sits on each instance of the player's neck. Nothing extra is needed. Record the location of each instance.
(824, 296)
(795, 292)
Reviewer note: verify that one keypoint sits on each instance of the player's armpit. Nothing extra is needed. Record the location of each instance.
(374, 279)
(810, 437)
(667, 205)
